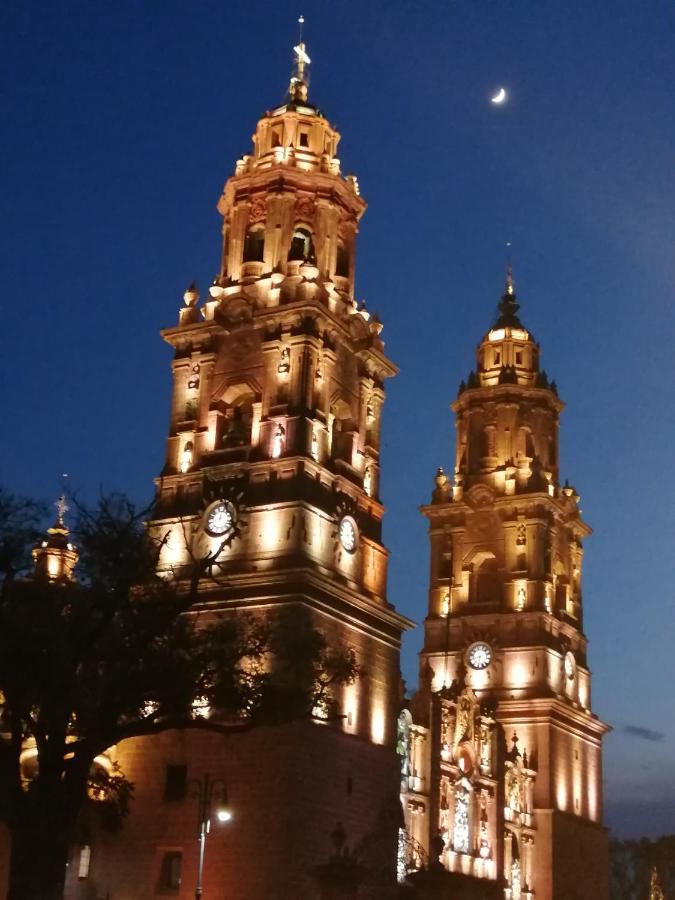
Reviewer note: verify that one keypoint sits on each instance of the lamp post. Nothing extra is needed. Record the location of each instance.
(206, 793)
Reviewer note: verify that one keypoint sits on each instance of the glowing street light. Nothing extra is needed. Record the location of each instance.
(210, 796)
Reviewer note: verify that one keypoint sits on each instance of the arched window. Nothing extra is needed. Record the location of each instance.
(254, 245)
(302, 246)
(238, 400)
(525, 443)
(342, 262)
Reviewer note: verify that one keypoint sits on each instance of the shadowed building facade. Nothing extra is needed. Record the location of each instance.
(502, 771)
(278, 389)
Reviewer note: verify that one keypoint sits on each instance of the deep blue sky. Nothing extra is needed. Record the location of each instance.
(121, 122)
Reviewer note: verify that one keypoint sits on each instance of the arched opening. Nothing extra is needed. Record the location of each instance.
(525, 444)
(238, 416)
(342, 261)
(302, 246)
(487, 585)
(254, 245)
(342, 435)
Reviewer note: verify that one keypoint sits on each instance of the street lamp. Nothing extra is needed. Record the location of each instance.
(208, 793)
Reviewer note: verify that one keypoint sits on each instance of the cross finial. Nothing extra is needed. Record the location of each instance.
(509, 269)
(301, 61)
(61, 509)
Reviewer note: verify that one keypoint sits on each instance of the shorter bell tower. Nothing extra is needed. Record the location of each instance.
(507, 748)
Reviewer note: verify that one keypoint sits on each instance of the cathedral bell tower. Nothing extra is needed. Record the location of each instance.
(505, 740)
(274, 453)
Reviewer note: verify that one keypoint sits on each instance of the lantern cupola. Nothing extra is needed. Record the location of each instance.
(55, 556)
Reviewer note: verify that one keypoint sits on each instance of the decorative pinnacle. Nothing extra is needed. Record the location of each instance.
(301, 61)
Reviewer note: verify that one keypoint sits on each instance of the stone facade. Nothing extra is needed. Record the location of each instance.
(502, 774)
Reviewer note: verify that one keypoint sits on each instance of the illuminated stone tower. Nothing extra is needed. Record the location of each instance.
(278, 388)
(504, 761)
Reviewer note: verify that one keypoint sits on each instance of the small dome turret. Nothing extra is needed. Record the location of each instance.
(55, 556)
(508, 354)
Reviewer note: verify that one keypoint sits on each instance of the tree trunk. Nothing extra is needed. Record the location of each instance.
(40, 835)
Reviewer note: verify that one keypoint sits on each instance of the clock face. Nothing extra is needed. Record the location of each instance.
(479, 655)
(220, 518)
(348, 534)
(570, 665)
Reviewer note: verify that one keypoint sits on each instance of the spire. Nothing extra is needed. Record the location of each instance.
(299, 85)
(508, 305)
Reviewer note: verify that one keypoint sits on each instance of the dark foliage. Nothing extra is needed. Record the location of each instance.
(122, 653)
(631, 865)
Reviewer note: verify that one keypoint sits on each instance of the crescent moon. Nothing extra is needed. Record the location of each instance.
(499, 97)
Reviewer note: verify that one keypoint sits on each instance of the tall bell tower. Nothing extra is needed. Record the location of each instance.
(274, 440)
(505, 772)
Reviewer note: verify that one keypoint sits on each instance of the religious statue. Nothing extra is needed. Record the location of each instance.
(655, 892)
(284, 361)
(278, 442)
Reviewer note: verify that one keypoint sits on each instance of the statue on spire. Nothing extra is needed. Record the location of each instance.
(655, 891)
(301, 61)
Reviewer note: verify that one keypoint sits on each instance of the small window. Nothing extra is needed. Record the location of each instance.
(254, 245)
(304, 139)
(302, 246)
(175, 783)
(85, 859)
(519, 358)
(276, 137)
(498, 358)
(170, 873)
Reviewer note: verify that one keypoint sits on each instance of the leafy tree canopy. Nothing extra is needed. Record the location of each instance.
(123, 652)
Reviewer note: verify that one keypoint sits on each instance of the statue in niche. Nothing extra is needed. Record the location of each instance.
(464, 727)
(444, 813)
(186, 456)
(284, 361)
(484, 843)
(403, 745)
(370, 413)
(516, 884)
(521, 535)
(460, 837)
(368, 481)
(520, 598)
(193, 380)
(278, 442)
(315, 447)
(485, 748)
(513, 790)
(447, 731)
